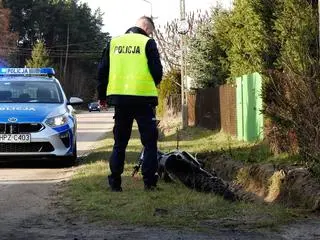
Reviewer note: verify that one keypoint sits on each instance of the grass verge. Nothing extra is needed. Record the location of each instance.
(175, 206)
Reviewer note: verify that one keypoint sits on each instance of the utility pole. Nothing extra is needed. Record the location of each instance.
(67, 52)
(183, 29)
(319, 30)
(157, 37)
(150, 7)
(155, 30)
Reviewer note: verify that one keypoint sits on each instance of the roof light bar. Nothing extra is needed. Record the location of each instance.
(26, 71)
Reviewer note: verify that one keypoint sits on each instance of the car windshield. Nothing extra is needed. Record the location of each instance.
(94, 104)
(29, 91)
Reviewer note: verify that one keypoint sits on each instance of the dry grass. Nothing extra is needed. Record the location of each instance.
(175, 206)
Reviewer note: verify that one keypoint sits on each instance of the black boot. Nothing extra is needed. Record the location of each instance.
(150, 183)
(115, 183)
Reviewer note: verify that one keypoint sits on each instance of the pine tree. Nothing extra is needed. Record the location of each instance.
(39, 56)
(297, 31)
(207, 59)
(248, 38)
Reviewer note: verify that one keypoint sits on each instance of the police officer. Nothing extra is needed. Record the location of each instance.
(128, 74)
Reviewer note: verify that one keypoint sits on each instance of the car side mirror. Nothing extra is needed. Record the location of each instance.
(73, 101)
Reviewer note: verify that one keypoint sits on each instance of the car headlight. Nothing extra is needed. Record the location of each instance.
(57, 121)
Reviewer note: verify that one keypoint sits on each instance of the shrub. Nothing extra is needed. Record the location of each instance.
(169, 92)
(294, 107)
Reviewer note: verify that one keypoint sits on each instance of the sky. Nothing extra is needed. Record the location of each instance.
(119, 15)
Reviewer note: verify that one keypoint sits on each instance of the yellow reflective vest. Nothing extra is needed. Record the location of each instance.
(129, 72)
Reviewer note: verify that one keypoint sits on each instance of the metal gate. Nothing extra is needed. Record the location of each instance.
(249, 106)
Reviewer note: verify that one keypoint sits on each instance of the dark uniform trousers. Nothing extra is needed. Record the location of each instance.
(145, 118)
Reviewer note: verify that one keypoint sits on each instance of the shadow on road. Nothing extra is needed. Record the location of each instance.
(35, 164)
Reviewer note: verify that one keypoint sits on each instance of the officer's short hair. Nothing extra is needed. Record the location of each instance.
(149, 20)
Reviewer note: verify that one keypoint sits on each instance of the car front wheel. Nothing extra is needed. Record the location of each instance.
(71, 160)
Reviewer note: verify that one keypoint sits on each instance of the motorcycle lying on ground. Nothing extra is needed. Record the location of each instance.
(182, 166)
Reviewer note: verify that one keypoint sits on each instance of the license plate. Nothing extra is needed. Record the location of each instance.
(15, 138)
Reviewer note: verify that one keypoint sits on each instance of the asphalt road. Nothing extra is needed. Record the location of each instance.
(92, 127)
(25, 186)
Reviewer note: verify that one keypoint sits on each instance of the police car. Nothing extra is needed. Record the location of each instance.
(37, 121)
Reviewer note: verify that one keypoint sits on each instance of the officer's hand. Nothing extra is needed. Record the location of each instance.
(103, 104)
